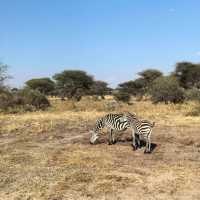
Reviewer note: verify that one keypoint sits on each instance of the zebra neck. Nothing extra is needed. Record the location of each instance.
(100, 124)
(135, 121)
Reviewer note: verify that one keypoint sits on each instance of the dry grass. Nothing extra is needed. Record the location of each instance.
(46, 155)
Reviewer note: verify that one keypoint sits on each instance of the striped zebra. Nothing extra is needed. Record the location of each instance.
(112, 122)
(142, 129)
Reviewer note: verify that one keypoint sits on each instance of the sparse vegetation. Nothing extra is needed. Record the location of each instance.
(166, 89)
(46, 154)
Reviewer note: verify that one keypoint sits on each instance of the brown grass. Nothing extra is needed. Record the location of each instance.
(47, 155)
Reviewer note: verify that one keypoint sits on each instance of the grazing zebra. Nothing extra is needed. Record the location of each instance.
(111, 121)
(142, 128)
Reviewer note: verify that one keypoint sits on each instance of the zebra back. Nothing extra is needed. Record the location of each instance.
(151, 124)
(135, 121)
(113, 121)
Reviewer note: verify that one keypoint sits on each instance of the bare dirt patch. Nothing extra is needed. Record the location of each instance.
(47, 156)
(63, 165)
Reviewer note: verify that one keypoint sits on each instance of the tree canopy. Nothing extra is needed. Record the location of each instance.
(150, 75)
(188, 74)
(100, 88)
(43, 85)
(73, 83)
(140, 86)
(166, 89)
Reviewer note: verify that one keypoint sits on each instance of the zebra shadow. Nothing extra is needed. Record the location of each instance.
(142, 143)
(126, 142)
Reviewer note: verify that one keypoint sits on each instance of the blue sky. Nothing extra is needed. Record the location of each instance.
(110, 39)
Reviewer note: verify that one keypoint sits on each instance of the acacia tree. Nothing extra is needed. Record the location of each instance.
(3, 74)
(140, 86)
(167, 89)
(43, 85)
(146, 79)
(73, 83)
(150, 75)
(188, 74)
(100, 88)
(134, 88)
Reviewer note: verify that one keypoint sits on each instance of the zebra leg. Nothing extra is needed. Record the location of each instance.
(110, 137)
(137, 139)
(113, 136)
(148, 144)
(133, 136)
(149, 136)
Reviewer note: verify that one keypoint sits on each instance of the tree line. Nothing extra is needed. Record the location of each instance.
(182, 84)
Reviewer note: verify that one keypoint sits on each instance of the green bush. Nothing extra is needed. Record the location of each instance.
(122, 96)
(6, 100)
(44, 85)
(192, 94)
(34, 98)
(22, 100)
(166, 89)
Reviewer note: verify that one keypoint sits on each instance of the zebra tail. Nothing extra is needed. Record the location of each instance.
(153, 124)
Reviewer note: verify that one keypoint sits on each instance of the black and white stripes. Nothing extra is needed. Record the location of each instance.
(120, 122)
(113, 122)
(142, 129)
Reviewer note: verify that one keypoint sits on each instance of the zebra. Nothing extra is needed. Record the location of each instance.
(113, 122)
(140, 128)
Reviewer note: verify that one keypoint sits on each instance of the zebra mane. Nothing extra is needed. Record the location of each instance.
(133, 115)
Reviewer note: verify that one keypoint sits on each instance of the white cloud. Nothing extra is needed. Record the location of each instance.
(198, 53)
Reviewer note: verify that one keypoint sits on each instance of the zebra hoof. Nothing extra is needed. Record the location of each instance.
(147, 152)
(134, 148)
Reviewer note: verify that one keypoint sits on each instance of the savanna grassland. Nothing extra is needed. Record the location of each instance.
(46, 155)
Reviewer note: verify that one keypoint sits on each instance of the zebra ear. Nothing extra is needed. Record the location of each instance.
(134, 114)
(129, 113)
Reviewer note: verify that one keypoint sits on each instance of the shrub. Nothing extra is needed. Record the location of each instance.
(166, 89)
(23, 100)
(6, 100)
(122, 96)
(192, 94)
(195, 111)
(34, 98)
(100, 88)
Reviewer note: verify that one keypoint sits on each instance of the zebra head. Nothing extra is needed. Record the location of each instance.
(129, 115)
(94, 137)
